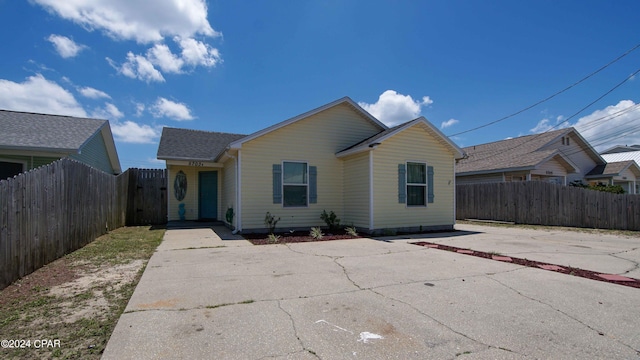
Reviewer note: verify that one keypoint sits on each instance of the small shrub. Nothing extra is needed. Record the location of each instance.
(351, 230)
(270, 222)
(331, 219)
(316, 233)
(274, 238)
(229, 215)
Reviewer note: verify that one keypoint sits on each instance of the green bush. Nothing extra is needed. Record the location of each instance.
(331, 219)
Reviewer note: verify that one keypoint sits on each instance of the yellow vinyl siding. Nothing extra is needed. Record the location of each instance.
(413, 144)
(191, 198)
(314, 140)
(228, 192)
(356, 191)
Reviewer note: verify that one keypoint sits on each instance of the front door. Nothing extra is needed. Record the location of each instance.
(208, 195)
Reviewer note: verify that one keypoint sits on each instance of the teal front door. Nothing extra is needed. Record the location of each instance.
(208, 195)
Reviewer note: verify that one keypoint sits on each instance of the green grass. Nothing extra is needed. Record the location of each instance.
(28, 310)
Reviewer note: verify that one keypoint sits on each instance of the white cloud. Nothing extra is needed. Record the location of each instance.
(139, 109)
(195, 52)
(393, 108)
(92, 93)
(140, 20)
(448, 123)
(162, 56)
(138, 67)
(169, 109)
(614, 125)
(131, 132)
(542, 126)
(65, 47)
(37, 94)
(109, 112)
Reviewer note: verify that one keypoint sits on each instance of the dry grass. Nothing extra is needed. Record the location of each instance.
(77, 299)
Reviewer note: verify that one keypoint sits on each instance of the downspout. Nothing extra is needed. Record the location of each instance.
(239, 192)
(455, 190)
(235, 231)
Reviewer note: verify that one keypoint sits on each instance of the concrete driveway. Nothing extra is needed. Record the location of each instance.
(202, 297)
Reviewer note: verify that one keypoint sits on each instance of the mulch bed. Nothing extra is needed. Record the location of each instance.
(537, 264)
(295, 237)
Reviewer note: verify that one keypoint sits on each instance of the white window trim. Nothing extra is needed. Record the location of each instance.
(283, 184)
(407, 184)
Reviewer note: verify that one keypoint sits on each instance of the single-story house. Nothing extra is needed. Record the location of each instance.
(337, 157)
(623, 173)
(618, 156)
(559, 156)
(30, 140)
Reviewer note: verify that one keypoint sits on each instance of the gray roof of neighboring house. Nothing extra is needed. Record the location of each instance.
(621, 149)
(185, 144)
(41, 132)
(612, 168)
(520, 152)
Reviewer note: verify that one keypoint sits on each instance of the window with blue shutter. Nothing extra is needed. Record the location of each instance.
(295, 184)
(313, 184)
(277, 183)
(430, 183)
(402, 183)
(416, 184)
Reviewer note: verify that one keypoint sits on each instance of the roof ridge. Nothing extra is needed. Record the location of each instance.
(59, 115)
(203, 131)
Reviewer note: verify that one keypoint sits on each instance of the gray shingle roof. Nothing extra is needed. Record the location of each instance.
(193, 144)
(30, 131)
(520, 152)
(611, 169)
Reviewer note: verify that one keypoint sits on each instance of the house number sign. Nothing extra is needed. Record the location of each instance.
(196, 163)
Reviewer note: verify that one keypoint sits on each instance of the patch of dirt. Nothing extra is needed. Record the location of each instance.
(588, 274)
(51, 275)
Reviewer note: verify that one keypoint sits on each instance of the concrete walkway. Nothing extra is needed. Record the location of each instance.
(202, 297)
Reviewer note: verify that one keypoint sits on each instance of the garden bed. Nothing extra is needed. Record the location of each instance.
(295, 237)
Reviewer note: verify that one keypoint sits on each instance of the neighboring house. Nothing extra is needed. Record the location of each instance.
(634, 155)
(29, 140)
(559, 156)
(335, 158)
(623, 173)
(620, 149)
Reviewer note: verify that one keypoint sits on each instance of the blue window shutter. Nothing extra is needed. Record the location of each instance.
(277, 184)
(402, 183)
(313, 184)
(430, 183)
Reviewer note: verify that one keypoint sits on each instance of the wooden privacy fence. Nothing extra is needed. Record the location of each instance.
(147, 195)
(542, 203)
(55, 209)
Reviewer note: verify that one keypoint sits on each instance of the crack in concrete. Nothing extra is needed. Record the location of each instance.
(601, 333)
(489, 346)
(636, 264)
(295, 332)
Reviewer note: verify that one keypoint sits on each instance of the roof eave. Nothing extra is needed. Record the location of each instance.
(491, 171)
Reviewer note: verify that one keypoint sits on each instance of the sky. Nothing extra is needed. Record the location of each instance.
(241, 66)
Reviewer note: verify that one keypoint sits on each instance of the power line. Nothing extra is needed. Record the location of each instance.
(551, 96)
(569, 118)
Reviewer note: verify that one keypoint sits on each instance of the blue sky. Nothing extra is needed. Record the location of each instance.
(240, 66)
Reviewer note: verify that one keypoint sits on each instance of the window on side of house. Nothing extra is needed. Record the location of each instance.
(416, 184)
(295, 184)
